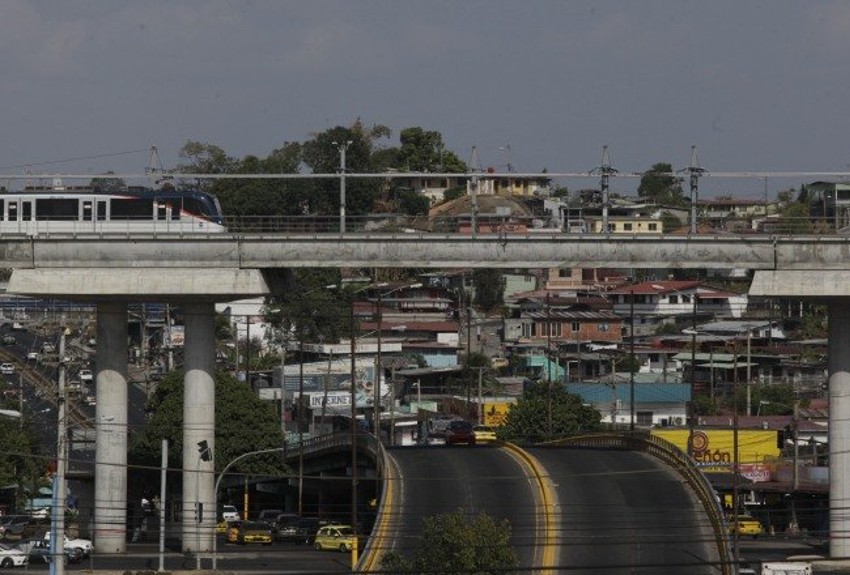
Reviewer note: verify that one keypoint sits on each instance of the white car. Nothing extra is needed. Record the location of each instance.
(11, 557)
(229, 513)
(84, 545)
(7, 369)
(86, 376)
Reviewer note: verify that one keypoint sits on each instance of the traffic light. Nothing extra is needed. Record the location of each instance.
(204, 450)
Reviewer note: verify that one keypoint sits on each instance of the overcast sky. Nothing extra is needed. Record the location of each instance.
(755, 85)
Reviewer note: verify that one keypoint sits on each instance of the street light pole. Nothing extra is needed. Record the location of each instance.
(218, 482)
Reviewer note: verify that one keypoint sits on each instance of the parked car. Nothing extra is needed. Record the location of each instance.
(9, 339)
(269, 515)
(746, 525)
(7, 368)
(484, 433)
(336, 538)
(86, 376)
(11, 557)
(253, 532)
(286, 526)
(460, 431)
(32, 356)
(47, 347)
(229, 513)
(83, 545)
(306, 529)
(33, 528)
(38, 551)
(12, 526)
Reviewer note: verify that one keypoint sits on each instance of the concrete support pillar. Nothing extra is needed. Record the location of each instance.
(199, 427)
(110, 497)
(839, 430)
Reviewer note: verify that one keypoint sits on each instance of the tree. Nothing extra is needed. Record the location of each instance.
(453, 543)
(489, 288)
(529, 420)
(22, 460)
(243, 422)
(659, 186)
(108, 184)
(424, 151)
(203, 158)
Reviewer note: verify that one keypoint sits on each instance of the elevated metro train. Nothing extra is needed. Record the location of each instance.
(38, 211)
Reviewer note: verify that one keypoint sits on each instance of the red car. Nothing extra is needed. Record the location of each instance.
(460, 431)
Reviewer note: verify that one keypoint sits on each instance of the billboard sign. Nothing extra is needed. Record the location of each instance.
(714, 449)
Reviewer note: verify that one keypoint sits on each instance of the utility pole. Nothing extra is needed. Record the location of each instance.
(605, 171)
(57, 540)
(695, 172)
(632, 361)
(342, 147)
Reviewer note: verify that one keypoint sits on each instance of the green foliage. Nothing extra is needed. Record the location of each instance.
(311, 310)
(243, 422)
(659, 186)
(561, 192)
(774, 399)
(529, 420)
(489, 288)
(814, 322)
(796, 219)
(424, 151)
(22, 460)
(454, 193)
(704, 405)
(452, 543)
(108, 184)
(670, 222)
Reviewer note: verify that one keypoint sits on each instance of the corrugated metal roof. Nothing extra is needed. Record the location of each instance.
(644, 392)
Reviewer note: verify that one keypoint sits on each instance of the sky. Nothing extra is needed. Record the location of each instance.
(757, 86)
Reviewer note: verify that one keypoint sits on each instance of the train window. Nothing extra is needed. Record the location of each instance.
(12, 210)
(27, 210)
(131, 209)
(173, 204)
(64, 209)
(87, 210)
(194, 206)
(161, 211)
(101, 210)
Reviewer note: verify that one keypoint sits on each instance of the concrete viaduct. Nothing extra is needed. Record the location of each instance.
(195, 271)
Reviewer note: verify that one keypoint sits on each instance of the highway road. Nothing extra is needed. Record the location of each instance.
(477, 479)
(625, 512)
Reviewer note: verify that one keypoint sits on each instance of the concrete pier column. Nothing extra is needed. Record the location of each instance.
(839, 429)
(199, 427)
(110, 473)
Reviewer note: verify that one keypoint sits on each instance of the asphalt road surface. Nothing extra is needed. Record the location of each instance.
(623, 512)
(476, 479)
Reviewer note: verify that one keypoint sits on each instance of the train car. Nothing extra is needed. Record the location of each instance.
(39, 211)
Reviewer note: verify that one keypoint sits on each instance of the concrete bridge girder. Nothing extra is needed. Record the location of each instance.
(755, 252)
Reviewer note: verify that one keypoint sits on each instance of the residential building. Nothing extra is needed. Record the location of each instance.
(672, 298)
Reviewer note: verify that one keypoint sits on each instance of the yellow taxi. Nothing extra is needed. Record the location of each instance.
(484, 433)
(250, 532)
(336, 538)
(745, 524)
(221, 527)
